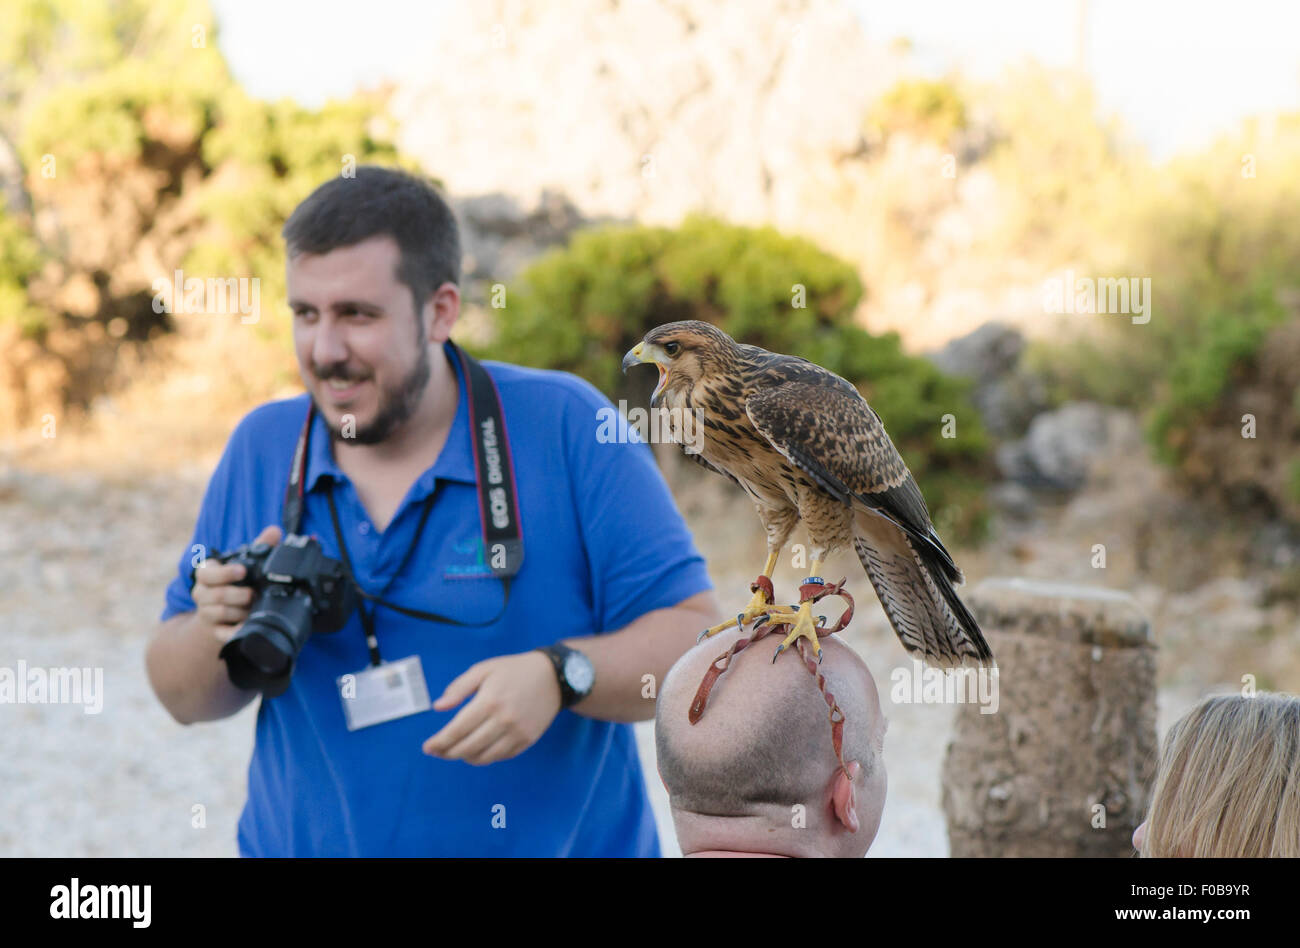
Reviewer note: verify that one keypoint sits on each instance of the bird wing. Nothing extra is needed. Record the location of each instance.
(827, 430)
(823, 426)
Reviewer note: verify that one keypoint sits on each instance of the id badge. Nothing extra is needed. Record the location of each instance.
(385, 692)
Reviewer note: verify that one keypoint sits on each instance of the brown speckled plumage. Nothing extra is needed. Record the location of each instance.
(805, 445)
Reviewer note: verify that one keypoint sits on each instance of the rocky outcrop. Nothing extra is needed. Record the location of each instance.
(650, 109)
(499, 234)
(1058, 450)
(1007, 397)
(755, 112)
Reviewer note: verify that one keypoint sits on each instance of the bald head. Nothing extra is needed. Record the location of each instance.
(758, 771)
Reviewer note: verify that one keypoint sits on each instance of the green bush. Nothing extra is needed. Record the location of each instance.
(1199, 375)
(20, 259)
(136, 98)
(582, 307)
(1174, 370)
(1293, 479)
(928, 108)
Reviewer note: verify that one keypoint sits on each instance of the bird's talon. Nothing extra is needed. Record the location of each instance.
(702, 636)
(777, 654)
(761, 621)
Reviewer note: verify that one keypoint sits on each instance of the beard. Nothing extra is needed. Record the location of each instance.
(397, 403)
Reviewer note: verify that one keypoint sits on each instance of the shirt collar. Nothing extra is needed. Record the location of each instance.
(455, 462)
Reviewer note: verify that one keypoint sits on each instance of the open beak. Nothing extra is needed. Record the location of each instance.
(642, 352)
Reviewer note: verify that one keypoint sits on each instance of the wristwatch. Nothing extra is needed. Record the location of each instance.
(574, 672)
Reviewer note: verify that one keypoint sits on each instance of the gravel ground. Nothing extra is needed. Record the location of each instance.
(83, 564)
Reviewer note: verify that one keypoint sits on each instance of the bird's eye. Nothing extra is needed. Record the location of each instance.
(671, 348)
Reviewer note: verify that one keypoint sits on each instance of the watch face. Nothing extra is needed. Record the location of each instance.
(579, 673)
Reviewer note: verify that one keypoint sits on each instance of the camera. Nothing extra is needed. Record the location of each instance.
(299, 591)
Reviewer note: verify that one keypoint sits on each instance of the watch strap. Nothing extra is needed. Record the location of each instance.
(559, 654)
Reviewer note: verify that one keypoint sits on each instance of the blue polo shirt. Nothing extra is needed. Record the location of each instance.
(603, 544)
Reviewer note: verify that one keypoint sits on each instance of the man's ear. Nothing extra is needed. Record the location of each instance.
(445, 306)
(844, 796)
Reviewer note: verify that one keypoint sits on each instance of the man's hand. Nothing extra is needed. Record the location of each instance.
(183, 657)
(516, 697)
(221, 606)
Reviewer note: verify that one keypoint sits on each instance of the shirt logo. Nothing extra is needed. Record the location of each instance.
(468, 560)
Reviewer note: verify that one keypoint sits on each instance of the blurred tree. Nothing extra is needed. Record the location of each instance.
(927, 108)
(20, 260)
(137, 155)
(1066, 173)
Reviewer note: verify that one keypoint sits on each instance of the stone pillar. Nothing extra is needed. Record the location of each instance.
(1075, 727)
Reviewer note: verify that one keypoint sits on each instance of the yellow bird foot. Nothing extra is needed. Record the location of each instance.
(759, 605)
(804, 628)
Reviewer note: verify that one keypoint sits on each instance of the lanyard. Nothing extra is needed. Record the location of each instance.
(498, 505)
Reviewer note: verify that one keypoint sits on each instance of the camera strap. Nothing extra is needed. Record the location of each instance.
(494, 475)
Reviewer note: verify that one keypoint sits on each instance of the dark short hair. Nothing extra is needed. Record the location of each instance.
(345, 211)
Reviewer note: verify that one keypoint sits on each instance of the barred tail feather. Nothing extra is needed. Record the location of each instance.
(918, 597)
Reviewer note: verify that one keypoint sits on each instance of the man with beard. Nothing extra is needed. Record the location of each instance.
(520, 751)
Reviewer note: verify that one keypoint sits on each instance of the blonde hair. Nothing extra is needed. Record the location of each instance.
(1228, 781)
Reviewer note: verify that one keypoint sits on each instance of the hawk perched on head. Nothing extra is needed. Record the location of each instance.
(805, 445)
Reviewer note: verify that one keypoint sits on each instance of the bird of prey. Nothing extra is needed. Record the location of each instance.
(805, 445)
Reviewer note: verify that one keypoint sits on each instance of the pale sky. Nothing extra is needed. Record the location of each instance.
(1178, 73)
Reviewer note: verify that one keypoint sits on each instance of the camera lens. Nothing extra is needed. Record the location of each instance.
(268, 651)
(261, 654)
